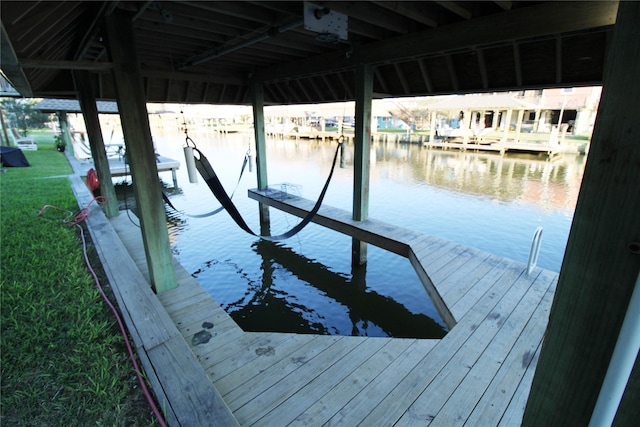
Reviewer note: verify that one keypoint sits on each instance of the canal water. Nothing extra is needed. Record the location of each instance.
(306, 284)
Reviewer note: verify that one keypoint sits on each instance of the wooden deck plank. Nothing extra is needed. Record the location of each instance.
(200, 306)
(328, 405)
(186, 290)
(288, 410)
(226, 345)
(460, 385)
(515, 366)
(255, 367)
(206, 353)
(142, 306)
(289, 385)
(239, 396)
(512, 416)
(193, 398)
(202, 320)
(421, 240)
(160, 346)
(313, 380)
(371, 394)
(435, 261)
(459, 283)
(474, 326)
(465, 262)
(429, 255)
(485, 284)
(260, 349)
(370, 231)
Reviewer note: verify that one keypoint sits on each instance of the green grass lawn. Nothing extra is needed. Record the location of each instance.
(63, 359)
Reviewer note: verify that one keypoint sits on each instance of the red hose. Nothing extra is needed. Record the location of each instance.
(75, 221)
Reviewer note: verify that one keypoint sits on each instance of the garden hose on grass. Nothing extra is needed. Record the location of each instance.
(75, 220)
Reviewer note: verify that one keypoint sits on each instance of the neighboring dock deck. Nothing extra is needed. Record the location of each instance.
(492, 145)
(118, 167)
(479, 373)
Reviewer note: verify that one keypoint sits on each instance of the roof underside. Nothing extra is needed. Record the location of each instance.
(207, 52)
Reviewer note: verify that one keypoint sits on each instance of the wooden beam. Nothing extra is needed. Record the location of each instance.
(457, 8)
(316, 90)
(517, 63)
(373, 14)
(483, 69)
(558, 61)
(46, 64)
(11, 66)
(94, 133)
(381, 81)
(505, 5)
(307, 97)
(91, 33)
(520, 23)
(413, 10)
(425, 75)
(600, 266)
(362, 152)
(452, 72)
(345, 85)
(401, 78)
(63, 120)
(257, 102)
(330, 86)
(140, 150)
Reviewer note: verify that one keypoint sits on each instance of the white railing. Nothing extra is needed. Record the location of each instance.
(535, 250)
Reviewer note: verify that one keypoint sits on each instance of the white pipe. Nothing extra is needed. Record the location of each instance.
(191, 164)
(621, 364)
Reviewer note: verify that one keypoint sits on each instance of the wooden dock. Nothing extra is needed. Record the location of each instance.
(118, 167)
(474, 144)
(214, 373)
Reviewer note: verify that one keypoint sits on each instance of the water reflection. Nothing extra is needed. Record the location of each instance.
(550, 184)
(281, 301)
(486, 201)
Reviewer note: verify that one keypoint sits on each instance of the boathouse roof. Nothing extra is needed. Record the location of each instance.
(208, 52)
(494, 101)
(73, 106)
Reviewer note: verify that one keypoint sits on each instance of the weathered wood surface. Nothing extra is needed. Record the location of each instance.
(474, 371)
(135, 126)
(87, 98)
(602, 261)
(163, 164)
(479, 373)
(182, 388)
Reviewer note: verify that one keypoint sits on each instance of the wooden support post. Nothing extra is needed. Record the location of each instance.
(257, 100)
(362, 152)
(519, 126)
(7, 141)
(465, 125)
(63, 120)
(98, 153)
(536, 121)
(507, 123)
(494, 120)
(140, 151)
(432, 128)
(602, 259)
